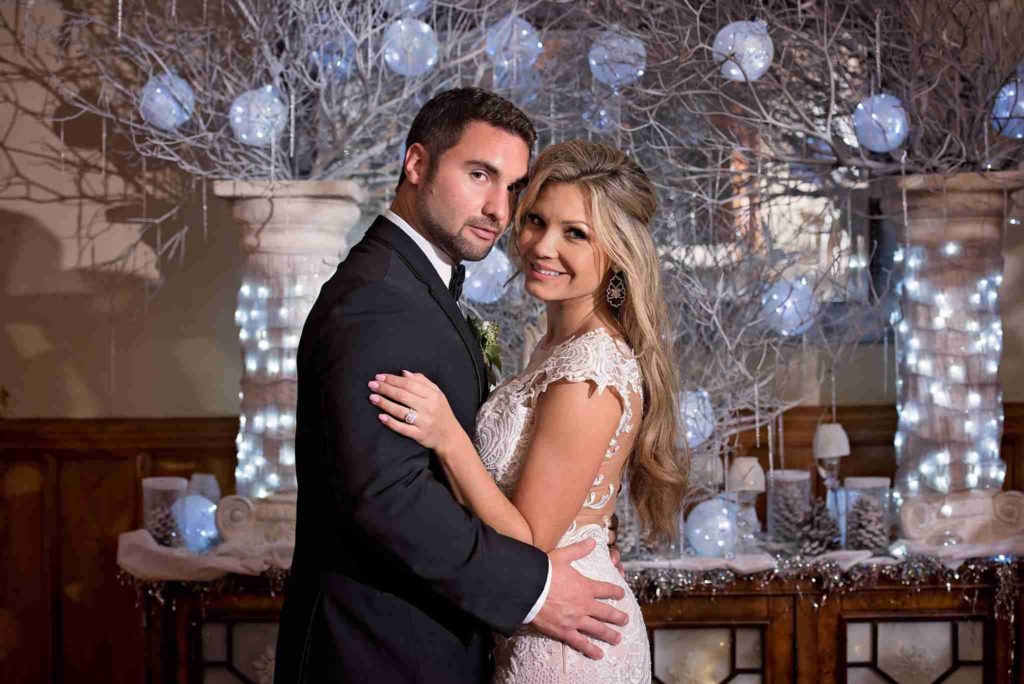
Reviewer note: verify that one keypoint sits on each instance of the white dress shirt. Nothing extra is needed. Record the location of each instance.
(444, 266)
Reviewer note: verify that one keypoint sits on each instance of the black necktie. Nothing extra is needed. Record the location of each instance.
(455, 286)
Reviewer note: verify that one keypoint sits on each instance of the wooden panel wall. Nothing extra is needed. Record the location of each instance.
(69, 487)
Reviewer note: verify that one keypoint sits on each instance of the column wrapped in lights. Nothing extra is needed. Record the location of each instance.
(949, 340)
(293, 233)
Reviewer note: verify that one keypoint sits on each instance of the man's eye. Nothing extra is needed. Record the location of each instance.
(479, 175)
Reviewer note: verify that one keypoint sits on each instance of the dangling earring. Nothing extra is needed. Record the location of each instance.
(616, 292)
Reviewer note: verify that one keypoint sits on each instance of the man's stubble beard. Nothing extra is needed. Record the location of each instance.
(454, 244)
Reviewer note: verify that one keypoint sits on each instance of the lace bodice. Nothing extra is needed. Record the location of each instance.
(504, 422)
(503, 432)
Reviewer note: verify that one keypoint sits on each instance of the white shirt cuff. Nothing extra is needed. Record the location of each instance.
(543, 597)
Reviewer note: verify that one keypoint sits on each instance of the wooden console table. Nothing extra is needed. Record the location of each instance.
(753, 630)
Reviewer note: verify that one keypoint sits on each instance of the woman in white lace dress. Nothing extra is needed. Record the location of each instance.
(595, 403)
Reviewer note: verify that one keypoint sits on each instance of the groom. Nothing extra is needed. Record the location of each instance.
(393, 580)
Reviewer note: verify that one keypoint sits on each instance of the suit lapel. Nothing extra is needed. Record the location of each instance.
(413, 256)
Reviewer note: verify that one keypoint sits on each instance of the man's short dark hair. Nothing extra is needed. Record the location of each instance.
(439, 125)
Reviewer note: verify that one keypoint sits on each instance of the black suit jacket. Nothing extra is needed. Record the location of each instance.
(392, 580)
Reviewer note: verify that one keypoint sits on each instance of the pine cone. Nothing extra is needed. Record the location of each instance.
(866, 526)
(821, 533)
(160, 523)
(789, 516)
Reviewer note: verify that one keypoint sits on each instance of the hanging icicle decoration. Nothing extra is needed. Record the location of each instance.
(291, 125)
(771, 443)
(205, 209)
(62, 151)
(782, 442)
(120, 17)
(174, 10)
(757, 415)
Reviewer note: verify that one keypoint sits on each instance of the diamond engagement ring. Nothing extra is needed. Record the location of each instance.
(410, 418)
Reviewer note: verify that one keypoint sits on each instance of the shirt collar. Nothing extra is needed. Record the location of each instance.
(441, 262)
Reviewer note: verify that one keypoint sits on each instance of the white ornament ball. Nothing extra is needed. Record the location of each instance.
(410, 47)
(880, 122)
(698, 416)
(744, 49)
(1008, 109)
(711, 528)
(485, 280)
(197, 519)
(790, 307)
(167, 101)
(406, 8)
(258, 116)
(513, 41)
(617, 60)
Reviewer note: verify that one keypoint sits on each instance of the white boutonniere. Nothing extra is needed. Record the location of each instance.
(486, 334)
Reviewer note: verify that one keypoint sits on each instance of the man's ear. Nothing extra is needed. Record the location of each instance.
(417, 160)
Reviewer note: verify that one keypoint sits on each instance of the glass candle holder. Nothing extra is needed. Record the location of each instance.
(159, 495)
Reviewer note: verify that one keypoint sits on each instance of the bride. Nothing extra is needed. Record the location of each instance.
(595, 404)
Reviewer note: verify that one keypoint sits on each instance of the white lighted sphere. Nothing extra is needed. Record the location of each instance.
(167, 101)
(790, 307)
(711, 528)
(617, 60)
(485, 280)
(406, 8)
(881, 123)
(521, 84)
(410, 47)
(196, 518)
(698, 417)
(1008, 109)
(744, 49)
(258, 116)
(513, 41)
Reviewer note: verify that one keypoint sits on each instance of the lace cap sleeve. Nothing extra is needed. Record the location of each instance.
(595, 357)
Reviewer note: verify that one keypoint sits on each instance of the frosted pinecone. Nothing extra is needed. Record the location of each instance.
(866, 525)
(161, 523)
(821, 533)
(789, 515)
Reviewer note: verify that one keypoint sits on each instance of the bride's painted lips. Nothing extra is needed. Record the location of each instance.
(534, 273)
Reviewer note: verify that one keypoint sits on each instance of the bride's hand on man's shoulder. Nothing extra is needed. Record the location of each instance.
(415, 407)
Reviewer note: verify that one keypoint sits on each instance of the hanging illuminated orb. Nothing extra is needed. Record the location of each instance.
(167, 101)
(1008, 110)
(406, 8)
(617, 60)
(880, 122)
(698, 416)
(513, 43)
(744, 49)
(196, 518)
(410, 47)
(789, 307)
(711, 528)
(601, 116)
(485, 280)
(521, 84)
(258, 116)
(333, 58)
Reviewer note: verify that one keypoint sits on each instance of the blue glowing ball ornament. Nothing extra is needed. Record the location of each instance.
(617, 60)
(196, 518)
(410, 47)
(698, 417)
(406, 8)
(485, 280)
(521, 84)
(601, 116)
(880, 122)
(334, 57)
(1008, 110)
(790, 307)
(744, 49)
(711, 528)
(513, 43)
(167, 101)
(258, 116)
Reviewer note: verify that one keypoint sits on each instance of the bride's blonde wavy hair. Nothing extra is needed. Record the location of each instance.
(621, 202)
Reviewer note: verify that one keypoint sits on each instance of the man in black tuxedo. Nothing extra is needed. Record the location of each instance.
(392, 579)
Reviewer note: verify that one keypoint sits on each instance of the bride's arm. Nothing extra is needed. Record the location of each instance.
(573, 426)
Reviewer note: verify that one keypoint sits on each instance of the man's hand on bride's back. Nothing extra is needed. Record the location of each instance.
(573, 609)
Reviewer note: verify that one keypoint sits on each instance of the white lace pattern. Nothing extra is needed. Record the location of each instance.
(504, 426)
